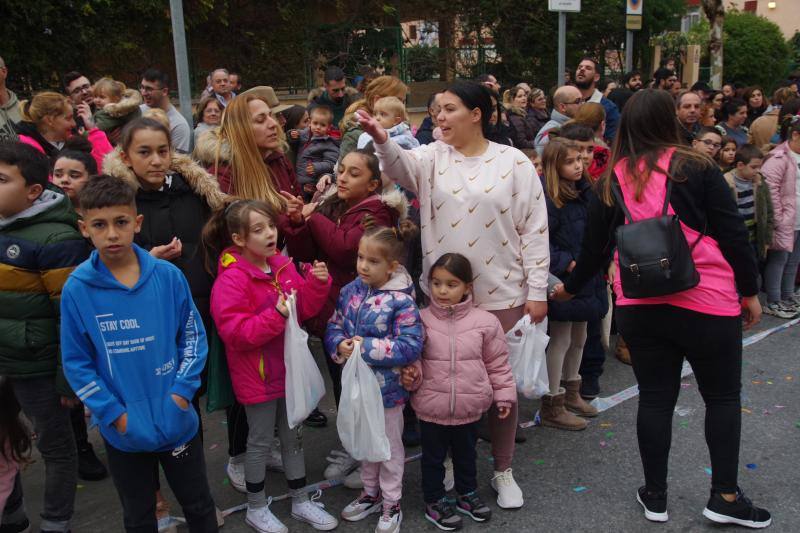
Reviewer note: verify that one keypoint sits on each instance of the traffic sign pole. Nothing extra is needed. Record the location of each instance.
(562, 47)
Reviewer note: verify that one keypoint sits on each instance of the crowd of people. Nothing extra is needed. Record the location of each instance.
(144, 264)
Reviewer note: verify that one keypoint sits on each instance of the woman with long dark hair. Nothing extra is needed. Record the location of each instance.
(702, 324)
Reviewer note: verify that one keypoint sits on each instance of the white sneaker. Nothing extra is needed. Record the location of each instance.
(340, 465)
(353, 480)
(390, 520)
(274, 457)
(262, 520)
(509, 495)
(449, 476)
(235, 473)
(312, 512)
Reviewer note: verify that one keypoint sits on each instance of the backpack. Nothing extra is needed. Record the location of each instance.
(654, 256)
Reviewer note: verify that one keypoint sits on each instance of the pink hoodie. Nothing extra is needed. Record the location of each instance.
(97, 138)
(243, 303)
(464, 365)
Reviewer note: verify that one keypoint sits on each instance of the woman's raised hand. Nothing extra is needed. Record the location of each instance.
(294, 207)
(371, 126)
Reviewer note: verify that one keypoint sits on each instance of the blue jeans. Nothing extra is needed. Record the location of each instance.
(781, 271)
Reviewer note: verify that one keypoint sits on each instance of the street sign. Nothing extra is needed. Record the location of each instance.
(634, 7)
(633, 22)
(571, 6)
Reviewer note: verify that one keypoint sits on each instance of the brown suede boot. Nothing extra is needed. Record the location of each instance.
(573, 401)
(622, 352)
(554, 415)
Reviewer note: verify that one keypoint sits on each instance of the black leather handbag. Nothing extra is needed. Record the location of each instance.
(654, 257)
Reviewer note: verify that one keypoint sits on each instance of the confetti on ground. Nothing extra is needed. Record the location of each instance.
(603, 444)
(766, 412)
(769, 383)
(797, 425)
(708, 470)
(226, 481)
(747, 411)
(79, 486)
(684, 411)
(580, 489)
(606, 425)
(756, 382)
(609, 434)
(224, 422)
(779, 406)
(213, 447)
(684, 424)
(539, 462)
(789, 378)
(526, 425)
(752, 466)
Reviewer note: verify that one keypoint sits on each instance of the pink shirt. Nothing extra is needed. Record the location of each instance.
(8, 471)
(716, 293)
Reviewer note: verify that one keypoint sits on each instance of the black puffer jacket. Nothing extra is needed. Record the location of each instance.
(567, 225)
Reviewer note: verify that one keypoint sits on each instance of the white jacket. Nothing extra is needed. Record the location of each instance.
(489, 208)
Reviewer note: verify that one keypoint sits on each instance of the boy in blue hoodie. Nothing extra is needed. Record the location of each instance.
(133, 347)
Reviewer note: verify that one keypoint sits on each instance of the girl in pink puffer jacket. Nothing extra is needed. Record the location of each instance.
(463, 370)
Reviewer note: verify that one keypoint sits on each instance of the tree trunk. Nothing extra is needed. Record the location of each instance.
(715, 12)
(446, 43)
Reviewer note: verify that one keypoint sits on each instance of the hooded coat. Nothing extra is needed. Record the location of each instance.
(523, 129)
(113, 117)
(388, 320)
(336, 242)
(321, 152)
(180, 209)
(39, 248)
(243, 307)
(780, 174)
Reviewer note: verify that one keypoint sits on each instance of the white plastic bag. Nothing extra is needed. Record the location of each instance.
(360, 420)
(304, 384)
(527, 347)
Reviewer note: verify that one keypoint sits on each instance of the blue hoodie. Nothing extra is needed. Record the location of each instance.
(127, 350)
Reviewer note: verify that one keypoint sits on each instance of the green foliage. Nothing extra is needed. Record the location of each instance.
(422, 62)
(700, 34)
(754, 50)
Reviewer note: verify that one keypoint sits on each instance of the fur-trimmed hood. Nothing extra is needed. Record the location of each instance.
(349, 92)
(131, 99)
(198, 179)
(205, 148)
(391, 197)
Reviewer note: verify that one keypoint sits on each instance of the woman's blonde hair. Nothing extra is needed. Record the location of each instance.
(157, 114)
(110, 88)
(378, 88)
(44, 104)
(553, 158)
(590, 114)
(251, 178)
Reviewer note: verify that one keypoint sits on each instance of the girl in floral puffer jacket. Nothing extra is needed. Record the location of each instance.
(464, 370)
(378, 311)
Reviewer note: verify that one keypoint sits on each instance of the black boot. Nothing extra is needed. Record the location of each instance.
(89, 466)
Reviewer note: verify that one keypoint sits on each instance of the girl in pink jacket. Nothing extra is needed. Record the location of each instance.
(248, 305)
(464, 370)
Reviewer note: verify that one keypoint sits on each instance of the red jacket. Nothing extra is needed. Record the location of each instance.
(243, 307)
(336, 243)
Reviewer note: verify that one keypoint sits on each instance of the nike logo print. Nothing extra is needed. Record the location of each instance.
(429, 252)
(440, 205)
(476, 277)
(487, 190)
(504, 176)
(179, 450)
(456, 223)
(396, 159)
(441, 172)
(493, 290)
(539, 195)
(507, 275)
(473, 208)
(441, 239)
(489, 160)
(423, 226)
(540, 261)
(515, 195)
(504, 243)
(489, 260)
(471, 244)
(456, 191)
(525, 246)
(520, 162)
(504, 150)
(489, 224)
(541, 231)
(504, 211)
(473, 178)
(457, 160)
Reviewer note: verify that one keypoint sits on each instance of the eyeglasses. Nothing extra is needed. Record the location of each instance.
(146, 89)
(712, 144)
(579, 101)
(83, 88)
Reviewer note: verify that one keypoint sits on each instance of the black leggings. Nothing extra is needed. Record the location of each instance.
(659, 336)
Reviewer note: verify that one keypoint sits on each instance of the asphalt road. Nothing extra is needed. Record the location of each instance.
(577, 482)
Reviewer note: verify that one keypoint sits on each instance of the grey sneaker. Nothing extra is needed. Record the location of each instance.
(443, 515)
(779, 310)
(362, 507)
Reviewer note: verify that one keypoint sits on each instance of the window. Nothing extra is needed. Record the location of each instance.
(751, 6)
